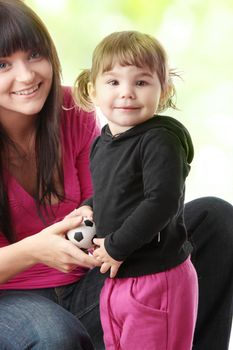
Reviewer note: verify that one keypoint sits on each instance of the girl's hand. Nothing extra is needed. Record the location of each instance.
(51, 247)
(107, 261)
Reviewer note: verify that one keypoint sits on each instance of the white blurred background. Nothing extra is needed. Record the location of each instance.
(197, 35)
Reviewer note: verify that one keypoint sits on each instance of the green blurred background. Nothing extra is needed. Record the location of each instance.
(197, 35)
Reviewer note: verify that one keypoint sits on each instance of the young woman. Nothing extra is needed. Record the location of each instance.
(44, 175)
(45, 140)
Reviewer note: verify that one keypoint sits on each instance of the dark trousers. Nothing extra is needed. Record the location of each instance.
(210, 227)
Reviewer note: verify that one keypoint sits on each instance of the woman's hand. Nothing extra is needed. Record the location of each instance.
(51, 247)
(107, 262)
(84, 210)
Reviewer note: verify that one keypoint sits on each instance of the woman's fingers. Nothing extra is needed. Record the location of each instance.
(61, 227)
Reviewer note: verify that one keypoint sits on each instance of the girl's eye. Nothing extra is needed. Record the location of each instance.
(113, 82)
(141, 83)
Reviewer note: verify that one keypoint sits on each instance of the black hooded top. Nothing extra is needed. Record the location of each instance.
(138, 201)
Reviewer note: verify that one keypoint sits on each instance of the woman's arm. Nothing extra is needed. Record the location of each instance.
(49, 247)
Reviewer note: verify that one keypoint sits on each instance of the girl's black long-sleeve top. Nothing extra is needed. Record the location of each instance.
(138, 201)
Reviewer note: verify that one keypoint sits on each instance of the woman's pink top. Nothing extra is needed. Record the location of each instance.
(78, 131)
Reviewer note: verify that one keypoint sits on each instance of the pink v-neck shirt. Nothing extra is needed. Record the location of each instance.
(78, 130)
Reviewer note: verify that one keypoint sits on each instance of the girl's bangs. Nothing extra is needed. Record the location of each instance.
(21, 36)
(127, 57)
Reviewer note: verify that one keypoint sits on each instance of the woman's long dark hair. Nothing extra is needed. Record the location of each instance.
(22, 29)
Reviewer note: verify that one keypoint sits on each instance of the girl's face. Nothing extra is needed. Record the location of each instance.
(127, 96)
(25, 82)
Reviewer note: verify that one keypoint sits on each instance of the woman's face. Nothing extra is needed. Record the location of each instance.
(25, 82)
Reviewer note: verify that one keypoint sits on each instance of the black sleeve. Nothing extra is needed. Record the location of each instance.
(88, 201)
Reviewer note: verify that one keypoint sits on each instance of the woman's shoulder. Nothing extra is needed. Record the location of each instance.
(76, 121)
(72, 111)
(68, 102)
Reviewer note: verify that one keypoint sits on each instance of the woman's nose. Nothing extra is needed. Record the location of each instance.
(24, 74)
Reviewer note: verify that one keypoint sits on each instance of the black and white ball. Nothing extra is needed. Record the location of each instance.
(83, 235)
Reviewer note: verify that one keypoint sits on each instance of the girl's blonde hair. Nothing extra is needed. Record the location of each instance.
(127, 48)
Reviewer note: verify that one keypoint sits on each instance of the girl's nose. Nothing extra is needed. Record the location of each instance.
(127, 92)
(24, 73)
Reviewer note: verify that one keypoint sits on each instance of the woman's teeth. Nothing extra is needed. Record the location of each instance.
(28, 91)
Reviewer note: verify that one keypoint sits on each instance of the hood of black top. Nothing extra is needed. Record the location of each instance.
(156, 121)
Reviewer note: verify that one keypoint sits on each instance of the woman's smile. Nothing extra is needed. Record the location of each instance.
(29, 91)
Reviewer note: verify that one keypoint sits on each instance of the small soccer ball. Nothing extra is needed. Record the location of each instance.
(83, 235)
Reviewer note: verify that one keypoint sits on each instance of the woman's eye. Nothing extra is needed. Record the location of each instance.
(35, 55)
(3, 65)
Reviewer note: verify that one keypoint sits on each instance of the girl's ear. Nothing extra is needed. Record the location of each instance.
(92, 93)
(165, 95)
(166, 90)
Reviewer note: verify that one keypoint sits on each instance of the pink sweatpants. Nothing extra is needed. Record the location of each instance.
(152, 312)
